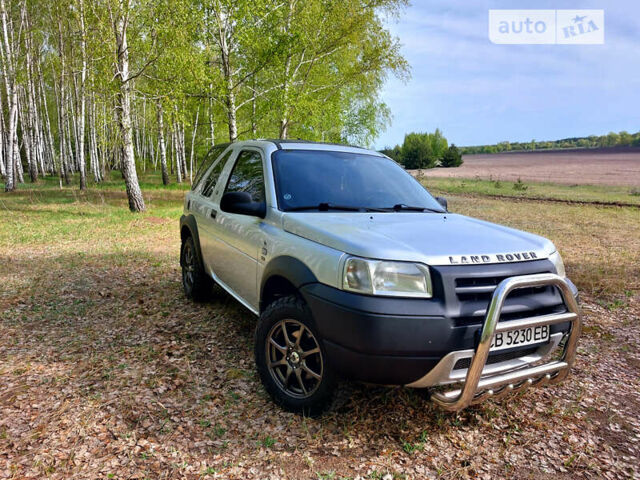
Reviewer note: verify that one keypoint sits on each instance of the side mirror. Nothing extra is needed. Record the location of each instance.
(242, 204)
(443, 202)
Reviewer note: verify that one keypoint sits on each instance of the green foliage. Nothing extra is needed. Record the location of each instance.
(520, 186)
(309, 69)
(419, 150)
(268, 441)
(612, 139)
(394, 153)
(451, 157)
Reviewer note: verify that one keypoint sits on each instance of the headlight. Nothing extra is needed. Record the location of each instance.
(379, 277)
(559, 264)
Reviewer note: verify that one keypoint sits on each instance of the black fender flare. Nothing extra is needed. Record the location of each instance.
(289, 268)
(189, 222)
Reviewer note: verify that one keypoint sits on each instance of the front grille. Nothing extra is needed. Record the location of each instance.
(474, 289)
(497, 357)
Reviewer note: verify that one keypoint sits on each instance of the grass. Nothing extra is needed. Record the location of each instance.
(149, 180)
(533, 190)
(600, 245)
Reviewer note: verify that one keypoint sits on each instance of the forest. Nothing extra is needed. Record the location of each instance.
(612, 139)
(100, 85)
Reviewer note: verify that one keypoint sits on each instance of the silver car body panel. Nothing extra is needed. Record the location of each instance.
(429, 238)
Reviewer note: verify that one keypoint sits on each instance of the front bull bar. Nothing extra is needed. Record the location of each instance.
(478, 387)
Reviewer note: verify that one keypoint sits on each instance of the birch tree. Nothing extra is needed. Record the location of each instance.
(9, 53)
(91, 86)
(119, 14)
(81, 116)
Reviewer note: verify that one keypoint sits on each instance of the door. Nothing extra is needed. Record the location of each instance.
(239, 237)
(205, 206)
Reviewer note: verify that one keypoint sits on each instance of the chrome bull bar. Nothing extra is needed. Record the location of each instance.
(478, 387)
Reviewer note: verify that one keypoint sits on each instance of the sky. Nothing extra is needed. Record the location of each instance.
(480, 93)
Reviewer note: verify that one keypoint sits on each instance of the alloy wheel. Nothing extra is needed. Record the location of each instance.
(294, 358)
(188, 265)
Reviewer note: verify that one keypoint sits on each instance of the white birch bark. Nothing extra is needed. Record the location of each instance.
(2, 141)
(8, 67)
(176, 153)
(212, 130)
(161, 144)
(193, 146)
(82, 110)
(123, 107)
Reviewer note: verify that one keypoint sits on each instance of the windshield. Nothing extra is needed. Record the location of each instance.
(309, 178)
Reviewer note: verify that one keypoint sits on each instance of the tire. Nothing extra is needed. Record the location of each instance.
(195, 281)
(293, 367)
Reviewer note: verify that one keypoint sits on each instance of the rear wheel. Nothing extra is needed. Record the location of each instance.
(196, 283)
(291, 359)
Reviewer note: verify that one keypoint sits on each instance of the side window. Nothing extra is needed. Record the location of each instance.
(247, 176)
(209, 183)
(209, 158)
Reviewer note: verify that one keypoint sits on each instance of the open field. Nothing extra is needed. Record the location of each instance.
(574, 167)
(589, 194)
(107, 371)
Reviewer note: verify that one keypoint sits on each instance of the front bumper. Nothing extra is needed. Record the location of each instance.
(414, 342)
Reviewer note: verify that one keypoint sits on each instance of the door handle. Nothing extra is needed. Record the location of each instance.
(213, 214)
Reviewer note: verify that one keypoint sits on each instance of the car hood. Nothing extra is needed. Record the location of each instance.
(430, 238)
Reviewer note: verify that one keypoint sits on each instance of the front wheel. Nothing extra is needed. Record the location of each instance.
(291, 359)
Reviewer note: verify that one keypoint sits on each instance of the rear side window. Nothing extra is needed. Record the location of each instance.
(209, 158)
(210, 181)
(247, 176)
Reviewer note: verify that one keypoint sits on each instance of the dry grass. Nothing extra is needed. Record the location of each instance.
(600, 245)
(107, 371)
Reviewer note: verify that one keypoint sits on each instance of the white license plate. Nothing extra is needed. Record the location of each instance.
(520, 338)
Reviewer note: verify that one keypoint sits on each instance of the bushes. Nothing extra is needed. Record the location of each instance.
(452, 157)
(417, 151)
(424, 150)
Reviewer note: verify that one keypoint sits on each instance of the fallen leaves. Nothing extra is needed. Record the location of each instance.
(107, 371)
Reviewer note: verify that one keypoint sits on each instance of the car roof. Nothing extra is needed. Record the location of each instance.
(299, 144)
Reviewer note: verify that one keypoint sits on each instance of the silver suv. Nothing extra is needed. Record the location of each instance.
(355, 271)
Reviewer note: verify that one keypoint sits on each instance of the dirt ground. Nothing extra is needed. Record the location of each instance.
(575, 167)
(108, 371)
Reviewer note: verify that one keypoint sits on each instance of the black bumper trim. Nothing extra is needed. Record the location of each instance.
(386, 348)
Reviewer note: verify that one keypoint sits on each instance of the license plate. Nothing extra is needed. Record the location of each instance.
(520, 338)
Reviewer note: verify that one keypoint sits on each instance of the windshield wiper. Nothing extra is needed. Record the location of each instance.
(401, 207)
(325, 207)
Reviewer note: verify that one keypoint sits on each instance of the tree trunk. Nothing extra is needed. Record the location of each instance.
(212, 130)
(193, 146)
(176, 152)
(49, 134)
(64, 168)
(228, 72)
(3, 170)
(8, 67)
(161, 146)
(81, 113)
(284, 119)
(123, 107)
(231, 112)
